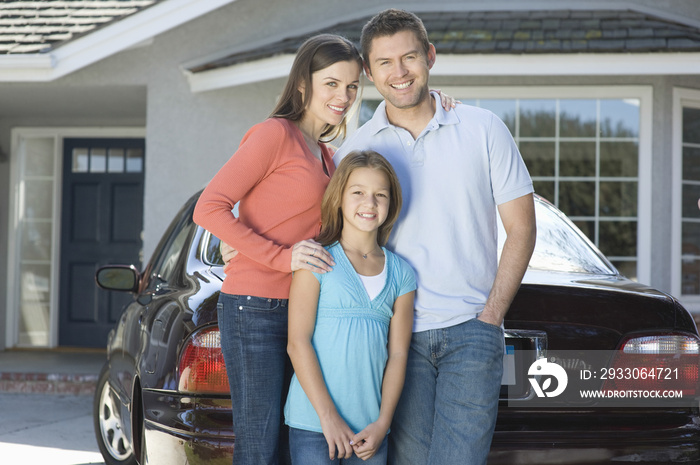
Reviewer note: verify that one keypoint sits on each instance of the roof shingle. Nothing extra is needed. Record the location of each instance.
(518, 32)
(40, 26)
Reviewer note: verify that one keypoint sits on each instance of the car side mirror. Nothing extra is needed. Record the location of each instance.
(118, 278)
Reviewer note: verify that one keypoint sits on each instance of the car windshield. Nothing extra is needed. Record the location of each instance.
(560, 247)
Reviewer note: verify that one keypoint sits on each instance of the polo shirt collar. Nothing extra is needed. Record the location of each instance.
(442, 117)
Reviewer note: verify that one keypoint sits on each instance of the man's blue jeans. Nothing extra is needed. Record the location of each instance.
(447, 412)
(311, 448)
(254, 345)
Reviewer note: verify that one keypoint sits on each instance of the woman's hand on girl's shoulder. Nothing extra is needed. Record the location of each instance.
(312, 256)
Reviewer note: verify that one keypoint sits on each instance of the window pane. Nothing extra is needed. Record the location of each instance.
(690, 271)
(134, 161)
(618, 238)
(577, 118)
(504, 109)
(80, 160)
(577, 159)
(619, 159)
(38, 199)
(36, 241)
(619, 118)
(691, 195)
(691, 239)
(691, 164)
(537, 118)
(627, 267)
(618, 198)
(98, 160)
(577, 198)
(691, 125)
(34, 320)
(587, 228)
(544, 189)
(367, 110)
(38, 158)
(115, 162)
(539, 157)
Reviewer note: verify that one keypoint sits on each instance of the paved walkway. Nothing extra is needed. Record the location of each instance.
(58, 371)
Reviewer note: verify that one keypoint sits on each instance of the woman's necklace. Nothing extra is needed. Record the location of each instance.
(353, 249)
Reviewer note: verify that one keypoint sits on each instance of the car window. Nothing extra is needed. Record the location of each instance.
(166, 262)
(211, 255)
(561, 246)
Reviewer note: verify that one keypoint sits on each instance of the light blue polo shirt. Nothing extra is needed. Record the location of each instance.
(350, 339)
(453, 176)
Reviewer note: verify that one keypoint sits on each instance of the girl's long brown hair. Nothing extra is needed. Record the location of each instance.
(331, 211)
(317, 53)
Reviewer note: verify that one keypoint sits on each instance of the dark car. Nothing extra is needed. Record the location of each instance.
(162, 396)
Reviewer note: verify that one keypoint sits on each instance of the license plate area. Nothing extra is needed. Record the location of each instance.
(522, 348)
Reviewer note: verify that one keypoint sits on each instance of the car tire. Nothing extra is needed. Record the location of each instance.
(114, 445)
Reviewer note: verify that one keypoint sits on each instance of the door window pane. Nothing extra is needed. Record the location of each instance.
(81, 160)
(115, 163)
(134, 160)
(98, 160)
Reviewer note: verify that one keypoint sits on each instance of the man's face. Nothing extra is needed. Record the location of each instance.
(399, 69)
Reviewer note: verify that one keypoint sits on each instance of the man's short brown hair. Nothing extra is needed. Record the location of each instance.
(388, 23)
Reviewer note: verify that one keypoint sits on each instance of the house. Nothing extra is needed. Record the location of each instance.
(112, 113)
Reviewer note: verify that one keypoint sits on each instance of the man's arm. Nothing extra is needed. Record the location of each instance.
(518, 217)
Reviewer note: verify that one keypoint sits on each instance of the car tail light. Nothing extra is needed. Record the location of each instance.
(657, 362)
(202, 369)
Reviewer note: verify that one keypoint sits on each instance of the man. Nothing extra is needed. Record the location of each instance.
(457, 169)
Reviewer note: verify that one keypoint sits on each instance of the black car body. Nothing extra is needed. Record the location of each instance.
(163, 396)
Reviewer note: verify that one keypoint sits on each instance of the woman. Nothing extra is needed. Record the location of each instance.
(279, 174)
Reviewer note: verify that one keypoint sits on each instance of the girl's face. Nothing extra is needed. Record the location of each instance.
(334, 90)
(365, 202)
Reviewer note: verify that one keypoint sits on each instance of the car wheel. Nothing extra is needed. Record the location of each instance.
(114, 445)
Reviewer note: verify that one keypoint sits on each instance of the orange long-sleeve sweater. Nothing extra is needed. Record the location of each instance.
(279, 184)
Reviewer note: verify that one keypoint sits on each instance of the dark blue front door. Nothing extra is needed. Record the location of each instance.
(101, 223)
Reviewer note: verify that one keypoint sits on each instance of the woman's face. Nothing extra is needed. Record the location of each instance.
(334, 90)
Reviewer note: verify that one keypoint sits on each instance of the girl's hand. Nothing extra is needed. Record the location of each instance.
(312, 256)
(366, 442)
(338, 435)
(448, 102)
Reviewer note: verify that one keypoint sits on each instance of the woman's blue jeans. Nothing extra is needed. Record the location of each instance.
(254, 345)
(447, 412)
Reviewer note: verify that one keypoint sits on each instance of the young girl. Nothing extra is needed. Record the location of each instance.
(350, 329)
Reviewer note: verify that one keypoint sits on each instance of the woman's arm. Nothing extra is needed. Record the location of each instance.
(367, 441)
(303, 305)
(257, 156)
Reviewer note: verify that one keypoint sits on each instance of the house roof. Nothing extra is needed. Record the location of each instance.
(515, 32)
(40, 26)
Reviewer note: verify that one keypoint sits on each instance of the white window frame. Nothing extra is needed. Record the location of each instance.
(681, 97)
(14, 259)
(642, 93)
